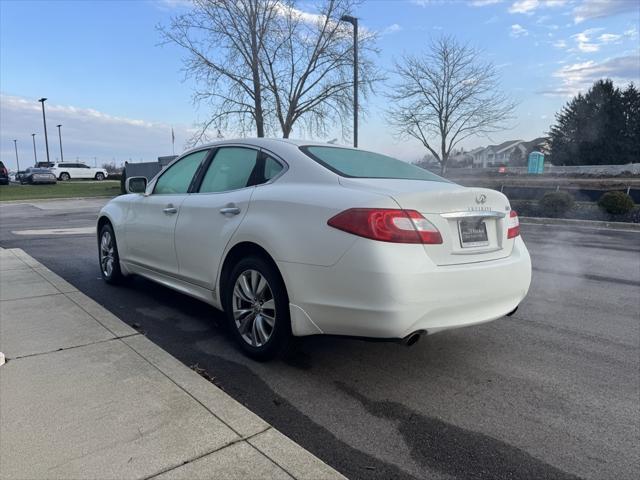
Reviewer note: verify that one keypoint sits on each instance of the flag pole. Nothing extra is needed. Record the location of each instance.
(173, 142)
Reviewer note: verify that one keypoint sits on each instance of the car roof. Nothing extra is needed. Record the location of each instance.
(266, 143)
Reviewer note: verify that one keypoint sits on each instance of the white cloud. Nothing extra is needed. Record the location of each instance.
(528, 7)
(590, 9)
(393, 28)
(560, 44)
(86, 133)
(583, 40)
(524, 6)
(578, 77)
(609, 37)
(484, 3)
(518, 30)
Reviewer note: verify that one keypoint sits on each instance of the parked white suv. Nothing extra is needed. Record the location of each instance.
(67, 171)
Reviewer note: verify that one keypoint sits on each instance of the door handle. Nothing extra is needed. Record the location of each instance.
(230, 211)
(170, 210)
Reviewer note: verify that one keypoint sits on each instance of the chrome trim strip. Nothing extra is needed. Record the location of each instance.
(476, 214)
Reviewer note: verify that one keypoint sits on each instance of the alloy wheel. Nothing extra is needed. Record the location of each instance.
(254, 309)
(106, 254)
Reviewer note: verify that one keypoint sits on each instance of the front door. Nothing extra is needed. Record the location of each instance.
(210, 216)
(151, 219)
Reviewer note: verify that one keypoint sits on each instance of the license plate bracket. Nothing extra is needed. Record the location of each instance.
(473, 233)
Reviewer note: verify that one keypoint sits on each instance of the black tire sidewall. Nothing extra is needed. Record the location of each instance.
(65, 177)
(116, 275)
(281, 336)
(99, 177)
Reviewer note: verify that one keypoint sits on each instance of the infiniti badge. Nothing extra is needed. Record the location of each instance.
(482, 198)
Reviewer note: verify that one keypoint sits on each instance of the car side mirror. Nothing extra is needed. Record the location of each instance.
(136, 185)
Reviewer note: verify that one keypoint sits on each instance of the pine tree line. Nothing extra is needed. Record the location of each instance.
(601, 127)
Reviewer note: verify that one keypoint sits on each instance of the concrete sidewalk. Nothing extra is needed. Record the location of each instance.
(84, 396)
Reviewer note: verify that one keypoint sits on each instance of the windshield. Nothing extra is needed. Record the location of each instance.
(362, 164)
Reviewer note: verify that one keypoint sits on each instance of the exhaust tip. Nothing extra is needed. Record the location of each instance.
(412, 338)
(512, 312)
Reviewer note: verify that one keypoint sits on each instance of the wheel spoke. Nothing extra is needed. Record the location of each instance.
(262, 283)
(246, 288)
(268, 319)
(243, 327)
(263, 336)
(269, 305)
(239, 293)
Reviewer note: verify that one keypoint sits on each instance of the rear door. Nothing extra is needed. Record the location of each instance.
(151, 219)
(210, 216)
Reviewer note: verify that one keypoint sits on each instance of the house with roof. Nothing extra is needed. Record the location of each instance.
(501, 154)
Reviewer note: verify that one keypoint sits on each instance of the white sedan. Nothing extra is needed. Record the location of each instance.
(294, 238)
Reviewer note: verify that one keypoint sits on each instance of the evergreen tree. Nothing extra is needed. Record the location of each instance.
(599, 127)
(631, 108)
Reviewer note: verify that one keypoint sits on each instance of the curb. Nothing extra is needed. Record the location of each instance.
(623, 226)
(44, 200)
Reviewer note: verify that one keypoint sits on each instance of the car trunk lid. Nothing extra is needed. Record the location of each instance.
(472, 221)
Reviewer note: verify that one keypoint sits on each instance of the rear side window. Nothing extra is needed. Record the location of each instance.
(230, 169)
(271, 168)
(362, 164)
(177, 178)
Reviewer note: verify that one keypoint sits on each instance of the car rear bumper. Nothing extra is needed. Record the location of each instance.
(390, 291)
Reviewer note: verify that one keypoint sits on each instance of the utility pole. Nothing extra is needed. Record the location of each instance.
(35, 155)
(60, 138)
(15, 144)
(44, 120)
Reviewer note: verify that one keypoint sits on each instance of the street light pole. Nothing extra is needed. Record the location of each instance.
(35, 155)
(15, 144)
(354, 21)
(44, 120)
(60, 138)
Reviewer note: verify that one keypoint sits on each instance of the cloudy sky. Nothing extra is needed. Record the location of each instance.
(117, 93)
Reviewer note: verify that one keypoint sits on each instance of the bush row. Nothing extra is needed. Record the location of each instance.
(612, 206)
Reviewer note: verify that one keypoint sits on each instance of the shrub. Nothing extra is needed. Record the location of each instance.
(555, 204)
(616, 203)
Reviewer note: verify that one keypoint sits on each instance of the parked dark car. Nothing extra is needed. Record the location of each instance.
(4, 175)
(34, 175)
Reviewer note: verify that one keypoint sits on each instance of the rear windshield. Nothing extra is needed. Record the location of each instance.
(362, 164)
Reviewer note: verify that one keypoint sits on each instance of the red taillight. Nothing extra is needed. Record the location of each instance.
(387, 225)
(513, 225)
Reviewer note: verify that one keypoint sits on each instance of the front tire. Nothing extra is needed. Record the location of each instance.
(99, 176)
(108, 256)
(257, 308)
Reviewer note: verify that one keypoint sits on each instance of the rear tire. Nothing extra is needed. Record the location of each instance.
(257, 308)
(99, 176)
(108, 256)
(65, 177)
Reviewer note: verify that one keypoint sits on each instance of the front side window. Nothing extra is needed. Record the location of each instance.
(177, 178)
(230, 169)
(362, 164)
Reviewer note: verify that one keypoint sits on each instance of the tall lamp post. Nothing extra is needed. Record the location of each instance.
(60, 138)
(44, 120)
(354, 21)
(15, 144)
(35, 155)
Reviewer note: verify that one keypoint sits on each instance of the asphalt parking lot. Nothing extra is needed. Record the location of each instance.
(552, 392)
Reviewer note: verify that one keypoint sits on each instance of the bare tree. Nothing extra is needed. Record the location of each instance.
(266, 64)
(308, 67)
(223, 39)
(445, 96)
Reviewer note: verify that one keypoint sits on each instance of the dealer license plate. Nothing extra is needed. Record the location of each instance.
(473, 233)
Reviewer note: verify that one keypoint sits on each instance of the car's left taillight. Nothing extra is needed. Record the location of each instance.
(387, 225)
(513, 225)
